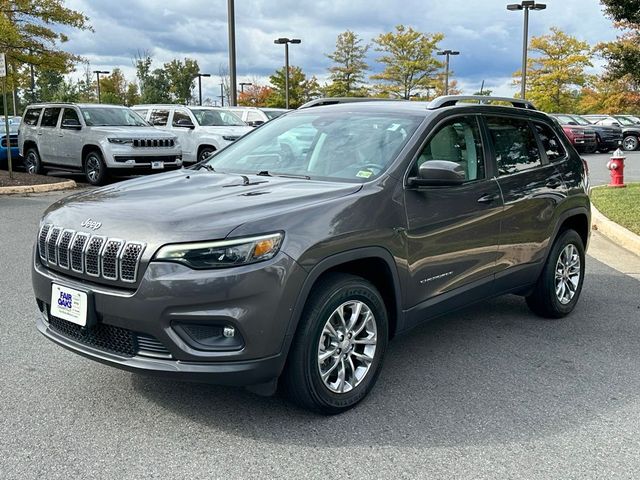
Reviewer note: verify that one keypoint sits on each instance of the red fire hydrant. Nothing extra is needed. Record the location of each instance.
(616, 169)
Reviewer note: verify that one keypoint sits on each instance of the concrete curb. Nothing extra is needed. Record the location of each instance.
(617, 233)
(41, 188)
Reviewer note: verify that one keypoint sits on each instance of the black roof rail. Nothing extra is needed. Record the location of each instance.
(335, 100)
(451, 100)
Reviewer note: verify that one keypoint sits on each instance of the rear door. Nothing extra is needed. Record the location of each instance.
(48, 135)
(531, 187)
(453, 231)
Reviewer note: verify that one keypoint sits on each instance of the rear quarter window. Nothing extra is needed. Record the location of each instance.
(514, 143)
(31, 116)
(550, 142)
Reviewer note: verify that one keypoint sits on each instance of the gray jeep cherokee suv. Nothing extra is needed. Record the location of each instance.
(259, 264)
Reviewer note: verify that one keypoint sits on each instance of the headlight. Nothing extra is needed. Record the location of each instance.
(230, 138)
(576, 131)
(120, 141)
(221, 254)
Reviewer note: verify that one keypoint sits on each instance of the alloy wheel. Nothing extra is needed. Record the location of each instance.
(31, 163)
(93, 169)
(347, 346)
(568, 271)
(630, 143)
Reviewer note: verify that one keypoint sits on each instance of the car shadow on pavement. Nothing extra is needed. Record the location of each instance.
(491, 373)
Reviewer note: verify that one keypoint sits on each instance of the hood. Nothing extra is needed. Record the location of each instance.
(135, 132)
(188, 205)
(228, 130)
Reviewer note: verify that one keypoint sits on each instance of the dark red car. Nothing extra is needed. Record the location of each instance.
(583, 138)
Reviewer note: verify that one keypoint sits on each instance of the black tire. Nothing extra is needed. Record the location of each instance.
(544, 300)
(95, 169)
(302, 380)
(204, 152)
(630, 143)
(32, 162)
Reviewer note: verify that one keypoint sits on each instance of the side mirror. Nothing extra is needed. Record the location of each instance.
(184, 123)
(71, 124)
(438, 173)
(255, 123)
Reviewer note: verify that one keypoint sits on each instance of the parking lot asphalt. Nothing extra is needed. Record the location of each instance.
(487, 392)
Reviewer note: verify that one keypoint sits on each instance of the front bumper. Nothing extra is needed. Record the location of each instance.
(257, 300)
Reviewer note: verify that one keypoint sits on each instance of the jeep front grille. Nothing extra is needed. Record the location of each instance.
(153, 142)
(93, 255)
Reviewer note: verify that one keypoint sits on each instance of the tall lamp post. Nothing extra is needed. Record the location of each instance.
(222, 94)
(286, 41)
(244, 84)
(233, 93)
(447, 53)
(525, 5)
(98, 73)
(200, 75)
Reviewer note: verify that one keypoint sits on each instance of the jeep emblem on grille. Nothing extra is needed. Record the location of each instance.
(88, 223)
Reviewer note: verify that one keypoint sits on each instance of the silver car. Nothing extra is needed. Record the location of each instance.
(96, 139)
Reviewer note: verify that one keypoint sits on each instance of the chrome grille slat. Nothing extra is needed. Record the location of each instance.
(153, 142)
(97, 256)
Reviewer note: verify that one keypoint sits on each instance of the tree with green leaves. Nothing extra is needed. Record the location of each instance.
(301, 89)
(181, 76)
(31, 33)
(408, 60)
(113, 88)
(556, 71)
(349, 67)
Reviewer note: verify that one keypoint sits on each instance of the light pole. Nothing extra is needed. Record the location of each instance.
(447, 53)
(200, 75)
(98, 73)
(525, 5)
(286, 41)
(244, 84)
(233, 93)
(222, 94)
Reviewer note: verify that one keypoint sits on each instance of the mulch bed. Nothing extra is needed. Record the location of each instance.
(21, 178)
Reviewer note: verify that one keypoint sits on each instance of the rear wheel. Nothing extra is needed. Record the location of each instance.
(94, 168)
(338, 349)
(32, 162)
(630, 143)
(557, 291)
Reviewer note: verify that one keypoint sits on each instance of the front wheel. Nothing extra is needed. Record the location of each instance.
(32, 162)
(94, 168)
(205, 152)
(630, 143)
(557, 291)
(337, 352)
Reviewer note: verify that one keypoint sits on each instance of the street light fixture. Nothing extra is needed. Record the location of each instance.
(525, 5)
(98, 73)
(447, 53)
(286, 41)
(200, 75)
(244, 84)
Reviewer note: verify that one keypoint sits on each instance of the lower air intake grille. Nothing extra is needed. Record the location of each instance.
(104, 337)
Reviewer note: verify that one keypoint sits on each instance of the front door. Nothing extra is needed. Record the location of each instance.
(48, 135)
(186, 135)
(70, 140)
(453, 231)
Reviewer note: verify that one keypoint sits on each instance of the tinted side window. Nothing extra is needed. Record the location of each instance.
(181, 115)
(459, 141)
(514, 143)
(159, 117)
(552, 145)
(31, 116)
(50, 117)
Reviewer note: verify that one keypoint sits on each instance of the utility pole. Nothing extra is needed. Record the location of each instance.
(222, 94)
(233, 92)
(525, 5)
(3, 75)
(98, 73)
(447, 53)
(286, 41)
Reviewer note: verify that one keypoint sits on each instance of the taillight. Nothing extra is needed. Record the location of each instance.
(585, 165)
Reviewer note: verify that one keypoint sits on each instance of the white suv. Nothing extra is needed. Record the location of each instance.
(254, 116)
(97, 139)
(201, 130)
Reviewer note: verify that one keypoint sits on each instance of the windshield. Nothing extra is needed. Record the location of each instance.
(271, 114)
(565, 119)
(625, 121)
(581, 121)
(216, 118)
(349, 147)
(112, 117)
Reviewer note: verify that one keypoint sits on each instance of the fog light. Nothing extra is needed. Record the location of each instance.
(229, 332)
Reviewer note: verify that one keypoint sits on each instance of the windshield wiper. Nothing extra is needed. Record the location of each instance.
(266, 173)
(207, 166)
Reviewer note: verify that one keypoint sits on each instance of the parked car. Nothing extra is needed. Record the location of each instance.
(96, 139)
(583, 138)
(254, 116)
(10, 143)
(630, 132)
(607, 137)
(201, 130)
(625, 119)
(263, 266)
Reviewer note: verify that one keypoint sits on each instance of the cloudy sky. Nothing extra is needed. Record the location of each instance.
(487, 35)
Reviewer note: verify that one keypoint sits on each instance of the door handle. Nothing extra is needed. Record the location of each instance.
(553, 183)
(487, 198)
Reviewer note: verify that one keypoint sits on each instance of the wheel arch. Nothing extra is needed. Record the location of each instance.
(90, 147)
